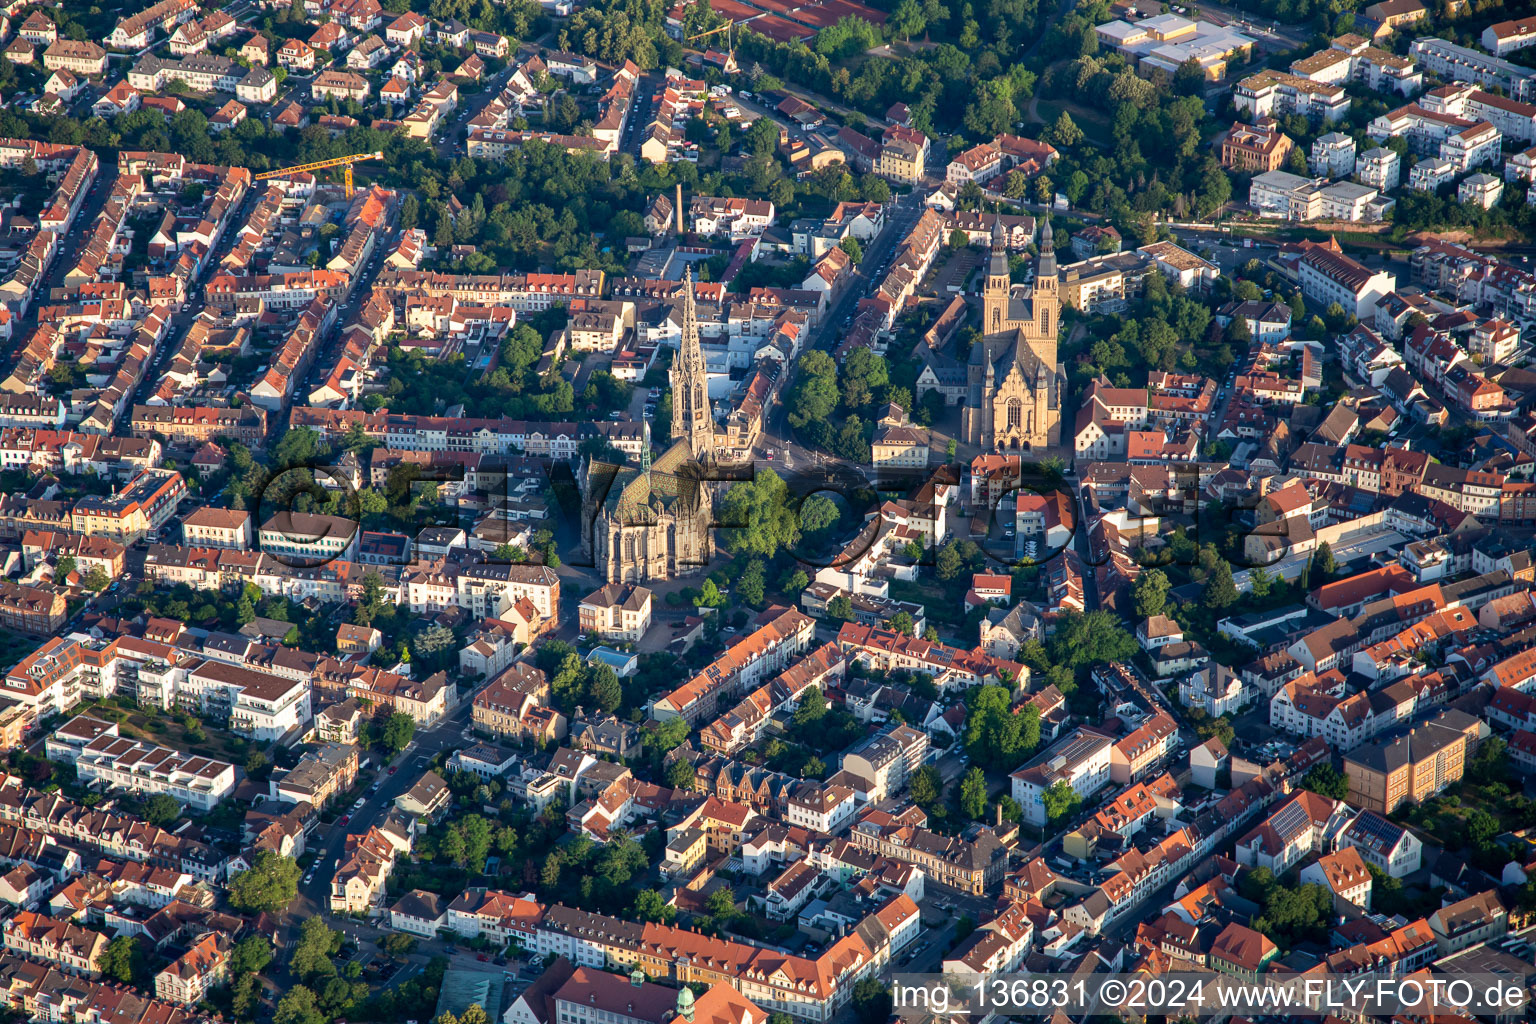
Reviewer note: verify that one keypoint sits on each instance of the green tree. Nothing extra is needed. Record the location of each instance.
(665, 736)
(398, 945)
(1490, 765)
(1483, 829)
(710, 596)
(871, 1001)
(1220, 591)
(721, 903)
(815, 395)
(269, 885)
(948, 564)
(1064, 132)
(1326, 780)
(973, 793)
(855, 251)
(453, 847)
(1061, 801)
(122, 960)
(1189, 80)
(762, 515)
(1323, 561)
(813, 706)
(312, 952)
(298, 1006)
(649, 906)
(926, 786)
(1082, 640)
(251, 954)
(161, 809)
(840, 608)
(995, 735)
(603, 688)
(681, 775)
(244, 997)
(1150, 592)
(818, 514)
(96, 579)
(399, 729)
(902, 623)
(907, 20)
(753, 585)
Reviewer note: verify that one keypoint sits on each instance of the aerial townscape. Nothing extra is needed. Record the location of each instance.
(596, 512)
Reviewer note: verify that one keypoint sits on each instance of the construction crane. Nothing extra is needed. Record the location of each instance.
(344, 162)
(709, 32)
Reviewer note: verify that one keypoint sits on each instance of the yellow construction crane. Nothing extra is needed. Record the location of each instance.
(344, 162)
(726, 28)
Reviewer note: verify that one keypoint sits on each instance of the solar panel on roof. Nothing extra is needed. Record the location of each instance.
(1379, 830)
(1288, 820)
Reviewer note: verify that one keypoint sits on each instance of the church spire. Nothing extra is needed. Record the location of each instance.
(691, 416)
(999, 265)
(1046, 266)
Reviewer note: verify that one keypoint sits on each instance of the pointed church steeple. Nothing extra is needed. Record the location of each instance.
(999, 264)
(999, 284)
(1046, 265)
(691, 416)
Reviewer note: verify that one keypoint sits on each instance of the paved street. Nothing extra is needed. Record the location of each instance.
(900, 214)
(329, 840)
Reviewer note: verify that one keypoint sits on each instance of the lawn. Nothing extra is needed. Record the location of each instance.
(1094, 123)
(14, 647)
(167, 731)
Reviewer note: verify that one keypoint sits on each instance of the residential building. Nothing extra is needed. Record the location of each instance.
(1255, 148)
(139, 767)
(1483, 190)
(203, 966)
(1379, 168)
(1082, 760)
(68, 945)
(1332, 156)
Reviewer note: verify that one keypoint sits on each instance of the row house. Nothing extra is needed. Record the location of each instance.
(951, 667)
(115, 835)
(783, 634)
(808, 989)
(70, 946)
(526, 293)
(743, 725)
(138, 30)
